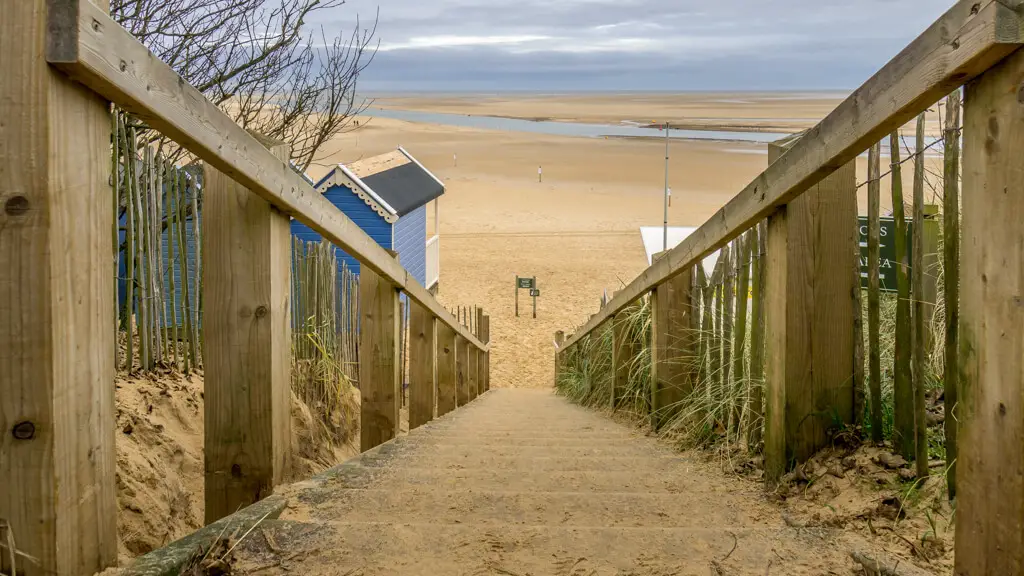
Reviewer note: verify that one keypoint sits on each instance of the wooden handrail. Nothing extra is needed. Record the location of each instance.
(962, 44)
(93, 49)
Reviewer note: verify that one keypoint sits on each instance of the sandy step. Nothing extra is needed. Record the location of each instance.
(339, 548)
(534, 480)
(428, 448)
(532, 440)
(430, 504)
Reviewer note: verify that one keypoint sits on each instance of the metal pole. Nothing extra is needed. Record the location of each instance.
(665, 229)
(517, 296)
(534, 290)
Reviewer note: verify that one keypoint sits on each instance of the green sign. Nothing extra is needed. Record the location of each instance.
(887, 260)
(526, 283)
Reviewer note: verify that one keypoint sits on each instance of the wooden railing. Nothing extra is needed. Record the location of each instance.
(63, 62)
(975, 44)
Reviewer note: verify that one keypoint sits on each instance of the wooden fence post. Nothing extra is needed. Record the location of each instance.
(672, 347)
(623, 352)
(559, 354)
(422, 351)
(446, 369)
(247, 328)
(990, 487)
(378, 359)
(479, 353)
(485, 329)
(809, 318)
(56, 360)
(951, 285)
(903, 382)
(472, 371)
(462, 370)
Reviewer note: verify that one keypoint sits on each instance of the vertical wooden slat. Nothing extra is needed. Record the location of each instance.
(446, 369)
(129, 247)
(756, 419)
(728, 303)
(816, 346)
(672, 350)
(472, 371)
(776, 320)
(707, 330)
(903, 384)
(990, 485)
(859, 392)
(186, 295)
(485, 333)
(874, 295)
(951, 283)
(247, 425)
(917, 297)
(378, 365)
(422, 351)
(623, 352)
(170, 208)
(197, 312)
(740, 327)
(462, 370)
(144, 267)
(57, 454)
(115, 179)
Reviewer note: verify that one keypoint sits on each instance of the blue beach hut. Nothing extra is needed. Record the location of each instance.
(388, 197)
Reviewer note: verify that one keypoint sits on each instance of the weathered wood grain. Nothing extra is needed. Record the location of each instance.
(422, 352)
(247, 282)
(990, 486)
(57, 453)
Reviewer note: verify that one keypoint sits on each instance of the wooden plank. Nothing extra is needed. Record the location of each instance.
(559, 354)
(728, 306)
(461, 371)
(422, 351)
(961, 44)
(818, 350)
(874, 290)
(756, 419)
(672, 349)
(623, 352)
(903, 383)
(918, 298)
(96, 51)
(485, 337)
(707, 330)
(951, 284)
(990, 486)
(775, 321)
(378, 359)
(57, 452)
(247, 408)
(446, 369)
(740, 326)
(472, 371)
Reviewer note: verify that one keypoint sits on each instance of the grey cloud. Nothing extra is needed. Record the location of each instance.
(633, 44)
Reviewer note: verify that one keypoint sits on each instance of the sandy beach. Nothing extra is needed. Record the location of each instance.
(578, 230)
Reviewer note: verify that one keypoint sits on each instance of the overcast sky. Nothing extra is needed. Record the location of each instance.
(564, 45)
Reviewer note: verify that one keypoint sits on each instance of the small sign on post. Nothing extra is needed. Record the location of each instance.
(527, 284)
(888, 259)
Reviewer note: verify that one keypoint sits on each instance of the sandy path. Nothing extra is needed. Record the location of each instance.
(522, 482)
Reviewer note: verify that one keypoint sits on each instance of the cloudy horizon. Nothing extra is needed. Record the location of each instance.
(632, 45)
